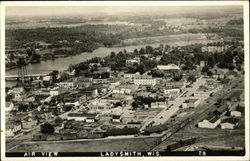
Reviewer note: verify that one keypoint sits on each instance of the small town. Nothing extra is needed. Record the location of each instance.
(165, 97)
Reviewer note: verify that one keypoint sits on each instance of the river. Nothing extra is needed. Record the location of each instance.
(61, 64)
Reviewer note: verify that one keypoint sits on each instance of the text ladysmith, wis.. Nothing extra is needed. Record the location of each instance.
(128, 154)
(101, 154)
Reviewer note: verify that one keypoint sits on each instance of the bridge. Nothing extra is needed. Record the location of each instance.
(14, 77)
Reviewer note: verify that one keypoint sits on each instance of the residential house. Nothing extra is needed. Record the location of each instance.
(210, 122)
(174, 85)
(125, 89)
(29, 122)
(67, 84)
(47, 79)
(133, 61)
(214, 49)
(131, 75)
(57, 91)
(9, 106)
(172, 92)
(116, 118)
(12, 128)
(158, 104)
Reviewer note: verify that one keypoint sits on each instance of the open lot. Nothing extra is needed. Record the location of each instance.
(178, 39)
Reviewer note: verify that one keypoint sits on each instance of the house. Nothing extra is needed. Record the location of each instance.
(133, 61)
(229, 123)
(47, 78)
(210, 122)
(12, 128)
(131, 75)
(91, 118)
(17, 91)
(144, 80)
(146, 94)
(9, 106)
(104, 69)
(29, 123)
(81, 117)
(66, 84)
(172, 92)
(190, 103)
(102, 104)
(116, 118)
(57, 91)
(158, 104)
(174, 85)
(214, 49)
(237, 111)
(125, 89)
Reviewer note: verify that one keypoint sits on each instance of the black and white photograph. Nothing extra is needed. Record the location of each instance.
(125, 79)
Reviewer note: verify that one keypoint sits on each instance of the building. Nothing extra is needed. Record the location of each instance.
(159, 105)
(229, 123)
(29, 123)
(236, 111)
(9, 106)
(144, 80)
(172, 92)
(57, 91)
(116, 118)
(169, 67)
(125, 89)
(102, 104)
(202, 93)
(210, 122)
(12, 128)
(130, 75)
(81, 117)
(214, 49)
(175, 85)
(133, 61)
(190, 103)
(67, 84)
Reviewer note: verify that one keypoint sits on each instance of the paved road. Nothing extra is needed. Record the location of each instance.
(167, 112)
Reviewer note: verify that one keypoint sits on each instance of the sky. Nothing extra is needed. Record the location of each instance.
(12, 11)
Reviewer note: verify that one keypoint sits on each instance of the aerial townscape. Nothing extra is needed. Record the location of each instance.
(139, 81)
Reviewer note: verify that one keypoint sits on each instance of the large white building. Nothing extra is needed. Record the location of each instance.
(144, 80)
(211, 122)
(168, 67)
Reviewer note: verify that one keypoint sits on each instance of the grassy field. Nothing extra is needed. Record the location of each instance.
(179, 39)
(136, 144)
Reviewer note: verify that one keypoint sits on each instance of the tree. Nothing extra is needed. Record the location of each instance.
(141, 68)
(135, 105)
(47, 128)
(58, 120)
(205, 69)
(191, 78)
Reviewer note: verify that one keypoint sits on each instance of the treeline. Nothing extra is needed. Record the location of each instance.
(236, 22)
(54, 35)
(188, 57)
(225, 31)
